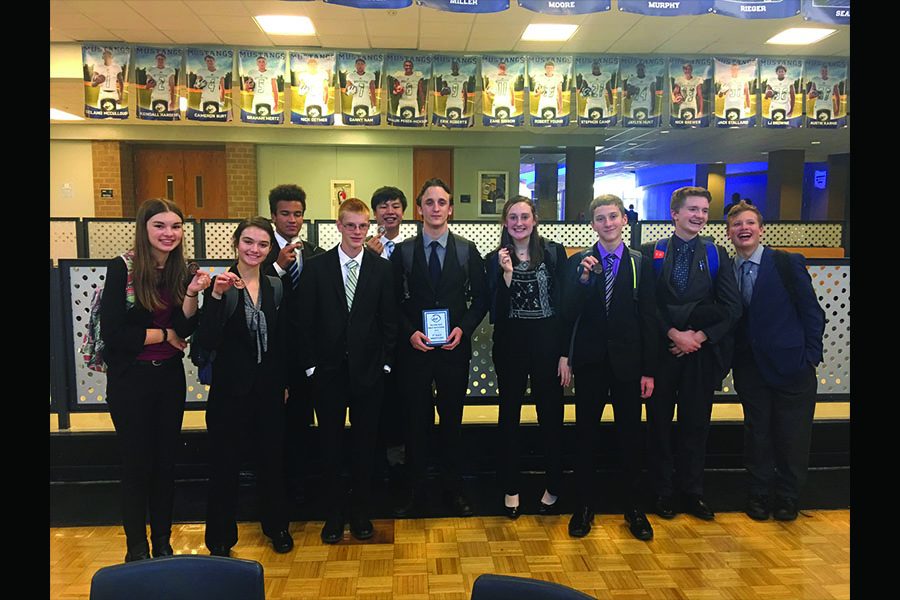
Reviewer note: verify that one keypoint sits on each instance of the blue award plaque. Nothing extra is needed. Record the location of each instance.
(436, 326)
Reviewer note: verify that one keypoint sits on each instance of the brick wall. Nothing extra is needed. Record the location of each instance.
(240, 165)
(107, 174)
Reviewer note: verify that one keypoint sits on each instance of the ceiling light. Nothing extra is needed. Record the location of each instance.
(285, 25)
(799, 36)
(664, 132)
(548, 32)
(815, 143)
(58, 115)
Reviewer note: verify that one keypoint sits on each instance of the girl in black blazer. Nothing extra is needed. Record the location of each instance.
(143, 323)
(246, 397)
(530, 338)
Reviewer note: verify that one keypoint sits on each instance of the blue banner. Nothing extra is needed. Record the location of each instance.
(597, 83)
(407, 89)
(566, 7)
(781, 101)
(466, 6)
(691, 81)
(825, 83)
(359, 77)
(371, 3)
(836, 12)
(105, 69)
(503, 100)
(156, 77)
(757, 9)
(658, 8)
(549, 83)
(209, 72)
(737, 88)
(454, 90)
(262, 86)
(642, 90)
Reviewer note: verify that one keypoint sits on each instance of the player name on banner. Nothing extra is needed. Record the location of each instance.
(407, 86)
(736, 91)
(105, 69)
(156, 74)
(503, 101)
(312, 88)
(454, 90)
(757, 9)
(642, 88)
(466, 6)
(209, 73)
(660, 8)
(836, 12)
(779, 83)
(371, 3)
(550, 100)
(597, 84)
(826, 93)
(262, 86)
(359, 77)
(565, 7)
(691, 80)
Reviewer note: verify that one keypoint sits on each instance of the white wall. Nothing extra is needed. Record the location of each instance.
(71, 179)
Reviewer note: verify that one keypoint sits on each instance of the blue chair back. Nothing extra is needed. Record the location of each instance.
(505, 587)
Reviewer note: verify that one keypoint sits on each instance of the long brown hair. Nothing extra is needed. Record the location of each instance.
(146, 276)
(535, 247)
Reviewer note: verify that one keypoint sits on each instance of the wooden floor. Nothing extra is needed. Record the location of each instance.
(439, 559)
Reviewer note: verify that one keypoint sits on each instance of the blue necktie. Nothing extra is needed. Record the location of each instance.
(434, 265)
(746, 282)
(390, 247)
(682, 268)
(294, 272)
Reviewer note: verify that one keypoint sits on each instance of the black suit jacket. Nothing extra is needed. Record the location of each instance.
(628, 334)
(268, 267)
(365, 336)
(450, 294)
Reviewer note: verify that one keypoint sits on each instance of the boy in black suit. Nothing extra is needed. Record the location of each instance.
(610, 296)
(437, 270)
(347, 336)
(698, 305)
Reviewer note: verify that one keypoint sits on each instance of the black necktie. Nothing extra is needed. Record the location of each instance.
(609, 272)
(434, 265)
(682, 268)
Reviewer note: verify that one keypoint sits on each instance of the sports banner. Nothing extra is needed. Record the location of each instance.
(209, 73)
(675, 8)
(407, 86)
(642, 88)
(736, 89)
(312, 88)
(466, 6)
(836, 12)
(454, 90)
(371, 3)
(503, 100)
(597, 83)
(567, 7)
(779, 84)
(359, 77)
(826, 93)
(262, 86)
(550, 100)
(156, 73)
(105, 71)
(757, 9)
(691, 81)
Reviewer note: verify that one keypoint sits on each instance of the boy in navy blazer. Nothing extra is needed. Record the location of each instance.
(778, 344)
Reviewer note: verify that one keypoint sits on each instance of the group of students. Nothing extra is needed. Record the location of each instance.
(295, 328)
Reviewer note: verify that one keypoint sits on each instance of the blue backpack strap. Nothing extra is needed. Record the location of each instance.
(659, 255)
(712, 258)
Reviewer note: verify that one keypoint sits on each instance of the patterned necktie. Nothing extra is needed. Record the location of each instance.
(610, 274)
(682, 268)
(390, 247)
(294, 272)
(350, 288)
(434, 265)
(746, 282)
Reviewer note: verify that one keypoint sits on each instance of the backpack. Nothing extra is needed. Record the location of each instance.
(462, 255)
(203, 357)
(712, 256)
(92, 345)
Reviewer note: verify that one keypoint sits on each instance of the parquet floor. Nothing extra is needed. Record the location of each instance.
(732, 557)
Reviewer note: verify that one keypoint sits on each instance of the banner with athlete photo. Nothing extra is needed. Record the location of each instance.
(597, 85)
(209, 73)
(359, 77)
(261, 75)
(757, 9)
(454, 90)
(466, 6)
(736, 91)
(105, 71)
(836, 12)
(690, 80)
(156, 73)
(550, 98)
(781, 104)
(570, 7)
(642, 89)
(407, 87)
(312, 88)
(666, 9)
(827, 95)
(503, 100)
(371, 3)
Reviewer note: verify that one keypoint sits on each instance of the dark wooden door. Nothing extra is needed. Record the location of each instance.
(428, 163)
(192, 178)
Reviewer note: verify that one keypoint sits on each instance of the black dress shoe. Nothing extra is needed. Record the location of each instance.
(757, 507)
(282, 541)
(665, 507)
(223, 551)
(511, 511)
(162, 548)
(408, 507)
(580, 523)
(695, 505)
(139, 553)
(639, 525)
(785, 509)
(458, 503)
(361, 527)
(548, 509)
(333, 531)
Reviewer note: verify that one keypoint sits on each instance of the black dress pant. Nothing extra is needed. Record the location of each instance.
(596, 384)
(233, 422)
(335, 391)
(777, 428)
(298, 427)
(147, 407)
(529, 348)
(687, 382)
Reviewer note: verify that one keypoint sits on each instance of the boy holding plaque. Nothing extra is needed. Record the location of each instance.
(440, 282)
